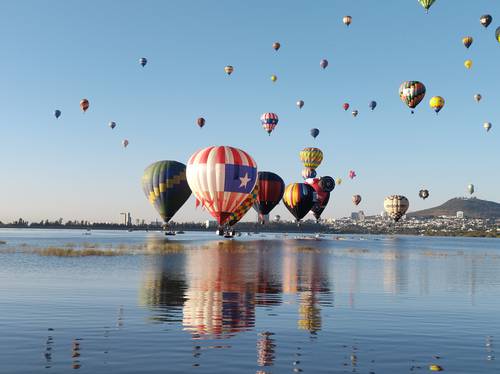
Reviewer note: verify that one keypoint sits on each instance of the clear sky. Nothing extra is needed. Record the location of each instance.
(55, 53)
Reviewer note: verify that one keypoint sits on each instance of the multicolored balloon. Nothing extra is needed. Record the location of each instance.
(347, 20)
(311, 157)
(165, 186)
(221, 178)
(245, 206)
(112, 124)
(322, 197)
(468, 64)
(436, 103)
(84, 105)
(200, 122)
(299, 199)
(478, 97)
(57, 113)
(125, 143)
(412, 93)
(300, 104)
(271, 189)
(143, 61)
(487, 126)
(423, 194)
(228, 69)
(467, 41)
(372, 105)
(323, 63)
(354, 113)
(314, 132)
(356, 199)
(352, 174)
(396, 206)
(426, 3)
(308, 173)
(269, 121)
(470, 189)
(486, 20)
(276, 46)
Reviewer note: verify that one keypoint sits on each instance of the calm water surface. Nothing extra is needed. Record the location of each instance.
(257, 304)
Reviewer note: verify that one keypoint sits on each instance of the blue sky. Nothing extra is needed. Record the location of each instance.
(55, 53)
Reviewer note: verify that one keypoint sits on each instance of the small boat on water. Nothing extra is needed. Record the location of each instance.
(179, 232)
(169, 233)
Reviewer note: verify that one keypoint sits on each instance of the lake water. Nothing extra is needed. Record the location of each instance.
(256, 304)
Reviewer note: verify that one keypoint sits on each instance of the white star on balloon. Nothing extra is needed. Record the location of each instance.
(244, 180)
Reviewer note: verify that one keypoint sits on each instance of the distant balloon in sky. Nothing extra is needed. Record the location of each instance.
(200, 122)
(396, 206)
(470, 189)
(352, 174)
(426, 3)
(468, 64)
(478, 97)
(338, 182)
(411, 93)
(436, 103)
(467, 41)
(327, 183)
(323, 63)
(112, 124)
(143, 61)
(497, 34)
(308, 173)
(125, 143)
(423, 194)
(269, 121)
(300, 104)
(345, 106)
(274, 78)
(356, 199)
(228, 69)
(372, 105)
(486, 20)
(355, 113)
(84, 105)
(347, 20)
(276, 46)
(57, 113)
(314, 133)
(487, 126)
(311, 157)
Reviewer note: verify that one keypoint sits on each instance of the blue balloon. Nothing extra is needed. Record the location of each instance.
(314, 133)
(372, 105)
(57, 113)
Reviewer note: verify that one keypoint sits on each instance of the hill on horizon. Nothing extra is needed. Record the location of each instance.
(472, 208)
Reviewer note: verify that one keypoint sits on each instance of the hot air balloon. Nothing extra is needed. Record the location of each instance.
(322, 197)
(347, 20)
(269, 121)
(308, 173)
(486, 20)
(84, 104)
(221, 178)
(426, 4)
(165, 186)
(478, 97)
(300, 104)
(345, 106)
(487, 126)
(311, 157)
(274, 78)
(497, 34)
(327, 183)
(228, 69)
(338, 181)
(396, 206)
(372, 105)
(467, 41)
(355, 113)
(468, 64)
(112, 124)
(299, 199)
(352, 174)
(200, 122)
(143, 61)
(271, 189)
(314, 132)
(436, 103)
(470, 188)
(276, 46)
(411, 93)
(57, 113)
(245, 206)
(125, 143)
(323, 63)
(356, 199)
(423, 194)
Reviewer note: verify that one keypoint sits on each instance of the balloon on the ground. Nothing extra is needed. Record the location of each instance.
(165, 185)
(436, 103)
(112, 124)
(57, 113)
(311, 157)
(396, 206)
(84, 105)
(125, 143)
(355, 113)
(470, 188)
(300, 103)
(269, 121)
(486, 20)
(423, 194)
(467, 41)
(271, 189)
(372, 105)
(276, 46)
(308, 173)
(143, 61)
(347, 20)
(200, 122)
(478, 97)
(228, 69)
(245, 206)
(314, 132)
(468, 64)
(345, 106)
(356, 199)
(487, 126)
(299, 199)
(426, 3)
(411, 93)
(323, 63)
(221, 178)
(327, 183)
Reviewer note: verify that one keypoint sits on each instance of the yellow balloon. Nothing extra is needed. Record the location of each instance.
(468, 64)
(436, 103)
(274, 78)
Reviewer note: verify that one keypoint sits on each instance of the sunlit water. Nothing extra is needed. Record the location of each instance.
(256, 304)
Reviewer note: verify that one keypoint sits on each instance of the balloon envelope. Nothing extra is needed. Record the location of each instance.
(269, 121)
(423, 194)
(143, 61)
(112, 124)
(228, 69)
(276, 46)
(300, 104)
(347, 20)
(84, 104)
(311, 157)
(57, 113)
(487, 126)
(327, 183)
(165, 185)
(200, 122)
(467, 41)
(308, 173)
(323, 63)
(436, 103)
(314, 133)
(426, 3)
(345, 106)
(468, 64)
(221, 178)
(356, 199)
(245, 206)
(322, 197)
(470, 188)
(396, 206)
(478, 97)
(125, 143)
(271, 188)
(411, 93)
(299, 199)
(486, 20)
(372, 105)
